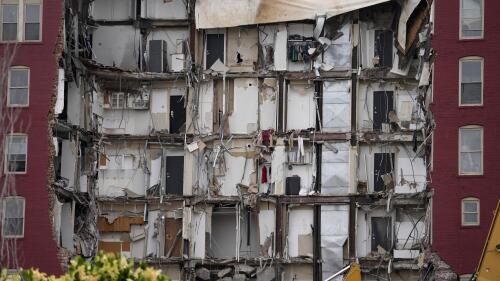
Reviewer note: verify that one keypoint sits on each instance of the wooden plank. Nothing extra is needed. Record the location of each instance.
(121, 224)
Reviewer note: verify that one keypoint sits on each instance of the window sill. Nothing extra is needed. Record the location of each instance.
(471, 176)
(471, 106)
(470, 226)
(472, 39)
(22, 42)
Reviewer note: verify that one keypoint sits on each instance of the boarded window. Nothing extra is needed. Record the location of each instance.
(17, 146)
(471, 81)
(470, 211)
(13, 218)
(471, 18)
(18, 86)
(9, 22)
(471, 150)
(384, 42)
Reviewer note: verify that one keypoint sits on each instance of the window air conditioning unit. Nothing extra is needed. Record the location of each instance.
(157, 56)
(138, 101)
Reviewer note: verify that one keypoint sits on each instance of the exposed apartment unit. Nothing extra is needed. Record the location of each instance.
(246, 140)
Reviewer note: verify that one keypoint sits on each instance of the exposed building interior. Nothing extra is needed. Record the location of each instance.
(231, 142)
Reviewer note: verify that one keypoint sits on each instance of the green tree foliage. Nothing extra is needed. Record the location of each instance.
(104, 267)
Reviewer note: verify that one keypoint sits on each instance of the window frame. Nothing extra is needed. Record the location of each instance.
(9, 104)
(4, 205)
(2, 23)
(460, 36)
(6, 155)
(462, 211)
(470, 127)
(222, 31)
(465, 59)
(40, 15)
(21, 20)
(120, 96)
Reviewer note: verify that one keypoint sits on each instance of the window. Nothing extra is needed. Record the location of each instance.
(13, 217)
(471, 81)
(471, 150)
(9, 22)
(17, 146)
(117, 100)
(214, 49)
(21, 20)
(384, 42)
(18, 86)
(470, 211)
(32, 22)
(471, 19)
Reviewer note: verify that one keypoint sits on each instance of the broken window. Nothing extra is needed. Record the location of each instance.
(214, 49)
(383, 103)
(383, 167)
(383, 48)
(471, 19)
(470, 211)
(17, 145)
(471, 81)
(18, 86)
(13, 217)
(471, 150)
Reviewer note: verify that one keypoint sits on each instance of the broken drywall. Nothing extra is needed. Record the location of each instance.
(335, 170)
(301, 106)
(337, 106)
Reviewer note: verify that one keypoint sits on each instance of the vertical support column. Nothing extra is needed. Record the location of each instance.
(278, 240)
(352, 229)
(354, 82)
(281, 106)
(317, 268)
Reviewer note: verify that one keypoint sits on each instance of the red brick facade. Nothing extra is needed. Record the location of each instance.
(461, 246)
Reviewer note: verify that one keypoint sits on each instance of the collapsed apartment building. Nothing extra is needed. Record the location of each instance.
(247, 140)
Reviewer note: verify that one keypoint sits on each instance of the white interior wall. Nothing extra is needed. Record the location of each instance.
(301, 107)
(405, 103)
(339, 53)
(67, 225)
(117, 179)
(306, 30)
(267, 228)
(335, 168)
(364, 232)
(244, 41)
(74, 104)
(244, 118)
(306, 173)
(278, 169)
(334, 235)
(171, 36)
(204, 122)
(69, 152)
(337, 106)
(268, 104)
(298, 272)
(412, 168)
(234, 173)
(161, 9)
(281, 48)
(300, 221)
(117, 45)
(113, 10)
